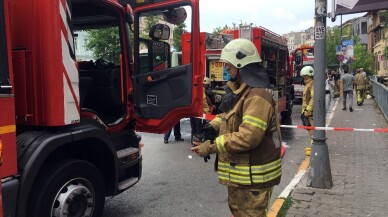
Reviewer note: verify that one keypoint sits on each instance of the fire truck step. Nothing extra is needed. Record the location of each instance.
(127, 183)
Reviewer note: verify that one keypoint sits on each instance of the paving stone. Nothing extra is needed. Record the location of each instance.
(359, 169)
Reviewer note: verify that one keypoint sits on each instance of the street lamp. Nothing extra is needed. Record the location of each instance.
(319, 174)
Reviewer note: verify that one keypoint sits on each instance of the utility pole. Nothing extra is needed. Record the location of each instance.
(319, 174)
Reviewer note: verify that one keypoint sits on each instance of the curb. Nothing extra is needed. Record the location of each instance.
(278, 203)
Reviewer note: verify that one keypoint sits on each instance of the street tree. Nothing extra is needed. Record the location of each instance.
(149, 22)
(104, 43)
(362, 59)
(177, 36)
(219, 29)
(333, 38)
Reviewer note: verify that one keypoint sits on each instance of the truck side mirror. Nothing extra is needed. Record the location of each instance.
(175, 16)
(160, 32)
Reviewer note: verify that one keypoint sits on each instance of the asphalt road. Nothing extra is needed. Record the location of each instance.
(175, 182)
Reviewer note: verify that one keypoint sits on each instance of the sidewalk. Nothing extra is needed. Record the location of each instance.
(359, 168)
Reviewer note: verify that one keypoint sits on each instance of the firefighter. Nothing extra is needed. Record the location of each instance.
(198, 123)
(307, 73)
(249, 140)
(360, 84)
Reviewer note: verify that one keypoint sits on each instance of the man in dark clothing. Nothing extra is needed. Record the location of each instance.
(177, 133)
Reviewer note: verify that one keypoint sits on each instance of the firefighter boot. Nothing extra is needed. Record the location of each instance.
(307, 151)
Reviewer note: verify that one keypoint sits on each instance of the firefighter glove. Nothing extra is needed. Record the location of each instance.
(203, 149)
(307, 113)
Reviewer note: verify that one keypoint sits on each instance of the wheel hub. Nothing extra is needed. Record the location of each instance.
(73, 200)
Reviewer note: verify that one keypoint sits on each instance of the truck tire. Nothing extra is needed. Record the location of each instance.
(69, 188)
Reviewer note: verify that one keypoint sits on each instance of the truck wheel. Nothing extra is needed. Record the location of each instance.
(69, 188)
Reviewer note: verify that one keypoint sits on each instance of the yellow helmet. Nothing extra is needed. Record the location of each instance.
(240, 52)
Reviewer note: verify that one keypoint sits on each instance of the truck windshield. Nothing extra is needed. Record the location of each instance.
(98, 40)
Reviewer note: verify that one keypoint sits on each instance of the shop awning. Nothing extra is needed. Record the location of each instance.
(363, 6)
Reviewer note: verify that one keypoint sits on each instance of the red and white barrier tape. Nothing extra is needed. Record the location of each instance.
(380, 130)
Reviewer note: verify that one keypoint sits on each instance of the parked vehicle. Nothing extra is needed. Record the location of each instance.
(68, 125)
(272, 48)
(300, 58)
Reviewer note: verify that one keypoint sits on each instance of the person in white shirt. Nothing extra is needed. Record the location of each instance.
(329, 90)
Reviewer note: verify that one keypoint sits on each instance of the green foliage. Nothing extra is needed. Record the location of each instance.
(218, 30)
(104, 43)
(286, 205)
(177, 36)
(149, 22)
(363, 59)
(333, 36)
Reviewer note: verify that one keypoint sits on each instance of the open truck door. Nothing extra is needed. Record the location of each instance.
(165, 92)
(8, 166)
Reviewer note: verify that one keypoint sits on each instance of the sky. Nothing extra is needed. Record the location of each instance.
(279, 16)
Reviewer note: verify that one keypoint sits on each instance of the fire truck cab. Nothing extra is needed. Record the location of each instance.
(68, 121)
(274, 54)
(299, 58)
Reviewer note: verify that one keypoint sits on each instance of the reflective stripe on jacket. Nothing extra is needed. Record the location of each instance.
(308, 97)
(249, 143)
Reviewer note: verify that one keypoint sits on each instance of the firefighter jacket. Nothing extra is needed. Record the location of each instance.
(308, 97)
(360, 82)
(248, 145)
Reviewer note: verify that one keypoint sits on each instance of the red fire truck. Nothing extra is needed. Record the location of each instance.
(300, 57)
(274, 54)
(67, 123)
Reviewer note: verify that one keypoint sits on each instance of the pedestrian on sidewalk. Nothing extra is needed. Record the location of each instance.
(177, 133)
(249, 141)
(360, 84)
(335, 78)
(347, 88)
(329, 90)
(308, 102)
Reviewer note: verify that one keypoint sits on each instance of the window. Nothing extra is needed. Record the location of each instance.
(364, 28)
(155, 53)
(356, 29)
(385, 64)
(379, 35)
(98, 53)
(377, 63)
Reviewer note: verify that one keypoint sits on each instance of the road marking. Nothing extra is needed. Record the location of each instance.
(331, 115)
(278, 203)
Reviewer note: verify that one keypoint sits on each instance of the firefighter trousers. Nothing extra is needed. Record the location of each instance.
(245, 202)
(360, 96)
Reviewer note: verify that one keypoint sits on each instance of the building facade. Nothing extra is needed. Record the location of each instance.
(299, 39)
(377, 41)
